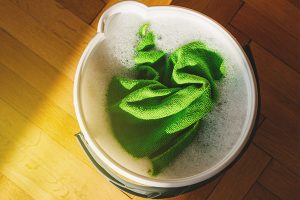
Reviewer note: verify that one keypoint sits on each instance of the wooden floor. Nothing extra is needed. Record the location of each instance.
(40, 44)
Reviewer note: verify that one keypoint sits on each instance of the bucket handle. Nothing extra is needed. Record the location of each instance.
(125, 6)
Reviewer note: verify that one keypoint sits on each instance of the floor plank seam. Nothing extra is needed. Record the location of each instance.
(258, 183)
(260, 148)
(267, 165)
(248, 42)
(263, 14)
(259, 123)
(270, 19)
(253, 184)
(286, 98)
(273, 175)
(286, 168)
(242, 4)
(261, 171)
(267, 189)
(29, 120)
(35, 54)
(252, 40)
(43, 28)
(214, 188)
(263, 120)
(95, 17)
(41, 94)
(23, 10)
(79, 16)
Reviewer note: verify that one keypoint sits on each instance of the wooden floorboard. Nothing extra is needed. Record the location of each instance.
(280, 12)
(41, 111)
(197, 5)
(237, 181)
(41, 43)
(281, 145)
(202, 192)
(258, 192)
(87, 10)
(224, 13)
(212, 8)
(10, 189)
(59, 21)
(277, 74)
(295, 3)
(37, 72)
(268, 34)
(37, 163)
(281, 181)
(241, 37)
(279, 109)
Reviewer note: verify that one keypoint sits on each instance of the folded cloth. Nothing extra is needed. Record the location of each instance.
(158, 113)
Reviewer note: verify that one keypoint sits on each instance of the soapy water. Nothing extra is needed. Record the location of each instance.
(220, 129)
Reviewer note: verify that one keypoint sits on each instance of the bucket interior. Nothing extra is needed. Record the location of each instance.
(222, 132)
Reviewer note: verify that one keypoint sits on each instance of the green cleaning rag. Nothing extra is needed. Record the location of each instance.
(157, 114)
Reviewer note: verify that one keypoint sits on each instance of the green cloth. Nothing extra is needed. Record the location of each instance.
(157, 114)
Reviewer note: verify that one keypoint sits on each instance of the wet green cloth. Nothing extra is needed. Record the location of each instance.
(157, 113)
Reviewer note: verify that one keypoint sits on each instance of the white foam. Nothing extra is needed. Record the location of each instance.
(220, 129)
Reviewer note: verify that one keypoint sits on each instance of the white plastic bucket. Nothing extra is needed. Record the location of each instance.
(120, 175)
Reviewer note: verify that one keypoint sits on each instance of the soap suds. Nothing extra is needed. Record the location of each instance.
(219, 130)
